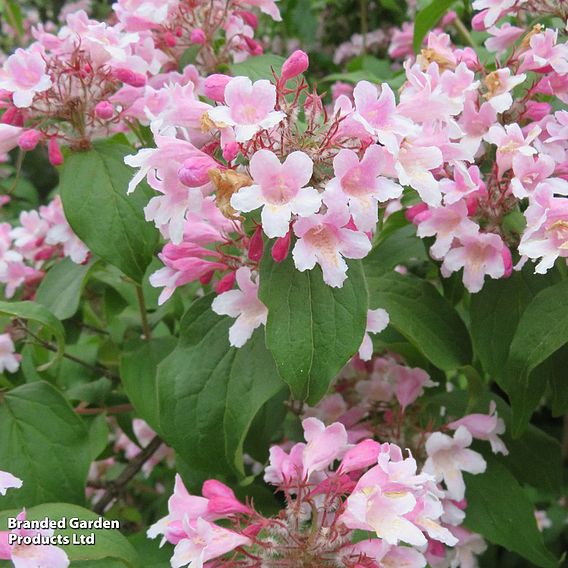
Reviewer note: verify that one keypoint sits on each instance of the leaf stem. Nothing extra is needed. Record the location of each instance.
(143, 314)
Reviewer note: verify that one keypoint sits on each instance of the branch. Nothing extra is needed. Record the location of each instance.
(115, 487)
(143, 314)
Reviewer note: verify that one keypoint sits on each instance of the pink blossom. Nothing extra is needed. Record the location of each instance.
(485, 427)
(7, 480)
(448, 457)
(280, 189)
(359, 185)
(478, 254)
(31, 555)
(24, 75)
(324, 444)
(503, 37)
(214, 87)
(529, 172)
(377, 321)
(476, 123)
(29, 140)
(386, 555)
(324, 239)
(544, 53)
(244, 305)
(467, 181)
(9, 136)
(249, 108)
(362, 455)
(410, 384)
(470, 545)
(511, 142)
(222, 500)
(401, 41)
(546, 234)
(284, 468)
(9, 361)
(446, 224)
(205, 541)
(499, 84)
(494, 9)
(268, 7)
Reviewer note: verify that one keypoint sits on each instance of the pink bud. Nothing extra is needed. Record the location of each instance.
(170, 39)
(104, 110)
(206, 278)
(281, 248)
(222, 500)
(248, 18)
(536, 110)
(449, 18)
(54, 152)
(29, 140)
(254, 47)
(197, 36)
(226, 283)
(230, 151)
(472, 203)
(252, 530)
(214, 87)
(467, 56)
(436, 548)
(364, 454)
(12, 116)
(295, 65)
(478, 21)
(256, 245)
(195, 171)
(507, 261)
(129, 77)
(415, 214)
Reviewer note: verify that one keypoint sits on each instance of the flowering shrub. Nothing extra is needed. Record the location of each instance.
(273, 317)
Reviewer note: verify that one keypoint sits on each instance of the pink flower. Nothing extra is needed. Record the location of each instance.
(410, 384)
(268, 7)
(362, 455)
(485, 427)
(383, 512)
(478, 254)
(7, 480)
(280, 189)
(214, 87)
(9, 136)
(499, 84)
(24, 75)
(494, 9)
(448, 457)
(295, 65)
(476, 123)
(249, 108)
(24, 555)
(323, 239)
(503, 37)
(377, 321)
(9, 361)
(243, 305)
(205, 541)
(467, 181)
(324, 445)
(378, 114)
(529, 172)
(359, 185)
(285, 468)
(386, 555)
(511, 142)
(546, 234)
(222, 500)
(544, 53)
(446, 223)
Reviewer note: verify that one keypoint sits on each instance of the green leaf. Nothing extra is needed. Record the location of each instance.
(312, 329)
(98, 435)
(44, 443)
(542, 330)
(33, 312)
(260, 67)
(499, 509)
(13, 15)
(427, 18)
(423, 317)
(60, 290)
(210, 392)
(495, 313)
(138, 369)
(154, 555)
(109, 543)
(399, 247)
(110, 222)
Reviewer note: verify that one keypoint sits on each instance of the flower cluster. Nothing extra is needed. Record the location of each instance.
(408, 516)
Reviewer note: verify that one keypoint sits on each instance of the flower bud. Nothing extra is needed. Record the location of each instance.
(206, 278)
(13, 116)
(104, 110)
(54, 152)
(214, 87)
(226, 283)
(248, 18)
(29, 140)
(536, 110)
(256, 245)
(416, 213)
(254, 47)
(469, 57)
(449, 18)
(507, 261)
(230, 151)
(129, 77)
(295, 65)
(281, 248)
(170, 39)
(478, 22)
(195, 171)
(197, 36)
